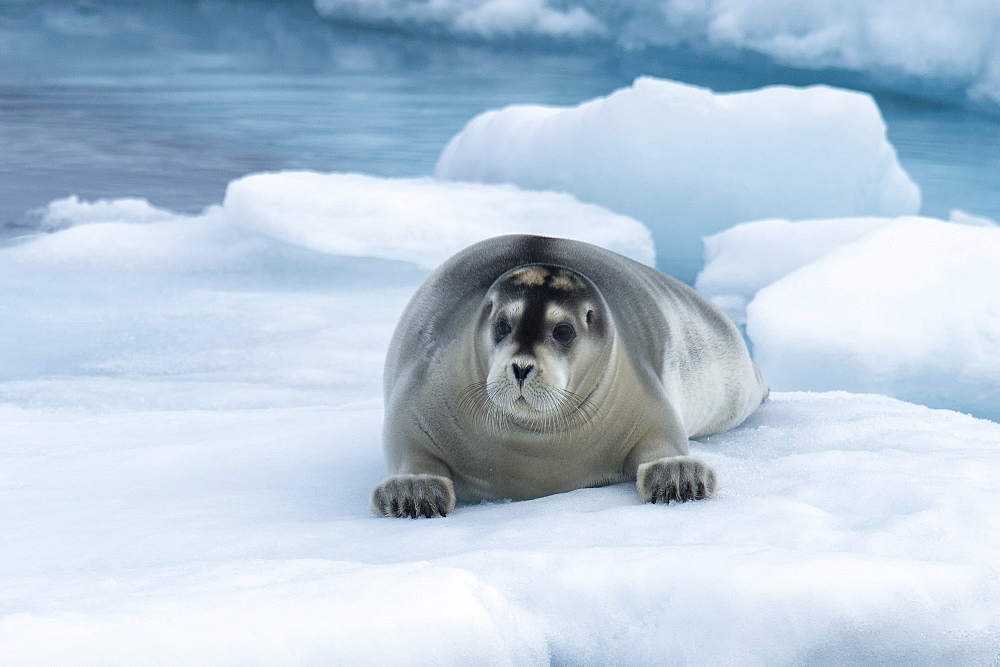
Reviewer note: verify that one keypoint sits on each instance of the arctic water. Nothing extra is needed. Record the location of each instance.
(171, 101)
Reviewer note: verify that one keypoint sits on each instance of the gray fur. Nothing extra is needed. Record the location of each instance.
(658, 365)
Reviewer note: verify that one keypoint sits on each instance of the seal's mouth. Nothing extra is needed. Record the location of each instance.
(541, 409)
(520, 406)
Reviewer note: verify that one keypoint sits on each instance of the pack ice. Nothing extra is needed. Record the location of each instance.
(904, 307)
(190, 416)
(688, 162)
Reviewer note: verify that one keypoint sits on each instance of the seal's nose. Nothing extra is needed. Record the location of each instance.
(521, 372)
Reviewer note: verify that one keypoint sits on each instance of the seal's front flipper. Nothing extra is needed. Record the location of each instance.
(675, 478)
(414, 496)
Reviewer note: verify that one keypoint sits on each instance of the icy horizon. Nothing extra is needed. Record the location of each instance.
(940, 48)
(101, 99)
(939, 51)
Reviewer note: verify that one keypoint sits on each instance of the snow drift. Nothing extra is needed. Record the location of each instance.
(905, 307)
(688, 162)
(416, 220)
(748, 257)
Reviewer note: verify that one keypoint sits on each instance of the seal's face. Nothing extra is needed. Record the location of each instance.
(542, 336)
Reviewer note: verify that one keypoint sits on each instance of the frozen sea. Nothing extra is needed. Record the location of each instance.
(214, 212)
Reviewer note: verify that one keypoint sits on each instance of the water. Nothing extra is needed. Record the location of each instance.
(171, 101)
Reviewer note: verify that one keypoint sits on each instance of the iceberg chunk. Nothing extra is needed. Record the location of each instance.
(910, 310)
(688, 162)
(417, 220)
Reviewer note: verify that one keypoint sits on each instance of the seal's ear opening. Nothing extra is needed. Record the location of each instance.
(590, 317)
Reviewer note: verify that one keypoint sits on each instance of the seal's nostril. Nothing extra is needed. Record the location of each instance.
(521, 372)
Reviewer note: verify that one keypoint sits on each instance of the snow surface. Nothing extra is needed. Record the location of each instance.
(934, 44)
(745, 258)
(910, 310)
(905, 307)
(418, 220)
(189, 430)
(688, 162)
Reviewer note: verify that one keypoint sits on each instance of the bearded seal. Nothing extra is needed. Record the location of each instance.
(526, 366)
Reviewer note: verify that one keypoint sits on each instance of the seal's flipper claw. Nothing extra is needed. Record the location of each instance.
(413, 496)
(675, 478)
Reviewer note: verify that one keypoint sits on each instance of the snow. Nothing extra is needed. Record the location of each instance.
(688, 162)
(910, 310)
(905, 307)
(742, 260)
(71, 211)
(190, 414)
(961, 217)
(418, 220)
(938, 46)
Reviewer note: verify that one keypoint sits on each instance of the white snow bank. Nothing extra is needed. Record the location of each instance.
(188, 444)
(688, 162)
(963, 218)
(128, 234)
(416, 220)
(748, 257)
(291, 611)
(421, 221)
(938, 44)
(744, 259)
(70, 211)
(910, 310)
(236, 535)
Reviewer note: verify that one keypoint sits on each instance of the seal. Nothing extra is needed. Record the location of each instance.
(526, 366)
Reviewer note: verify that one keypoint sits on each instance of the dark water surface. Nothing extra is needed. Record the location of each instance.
(171, 101)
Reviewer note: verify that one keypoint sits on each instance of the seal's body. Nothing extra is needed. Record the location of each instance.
(526, 366)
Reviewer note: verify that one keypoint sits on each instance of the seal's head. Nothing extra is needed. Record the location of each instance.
(543, 341)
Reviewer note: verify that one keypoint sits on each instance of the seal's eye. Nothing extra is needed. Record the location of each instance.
(564, 333)
(502, 328)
